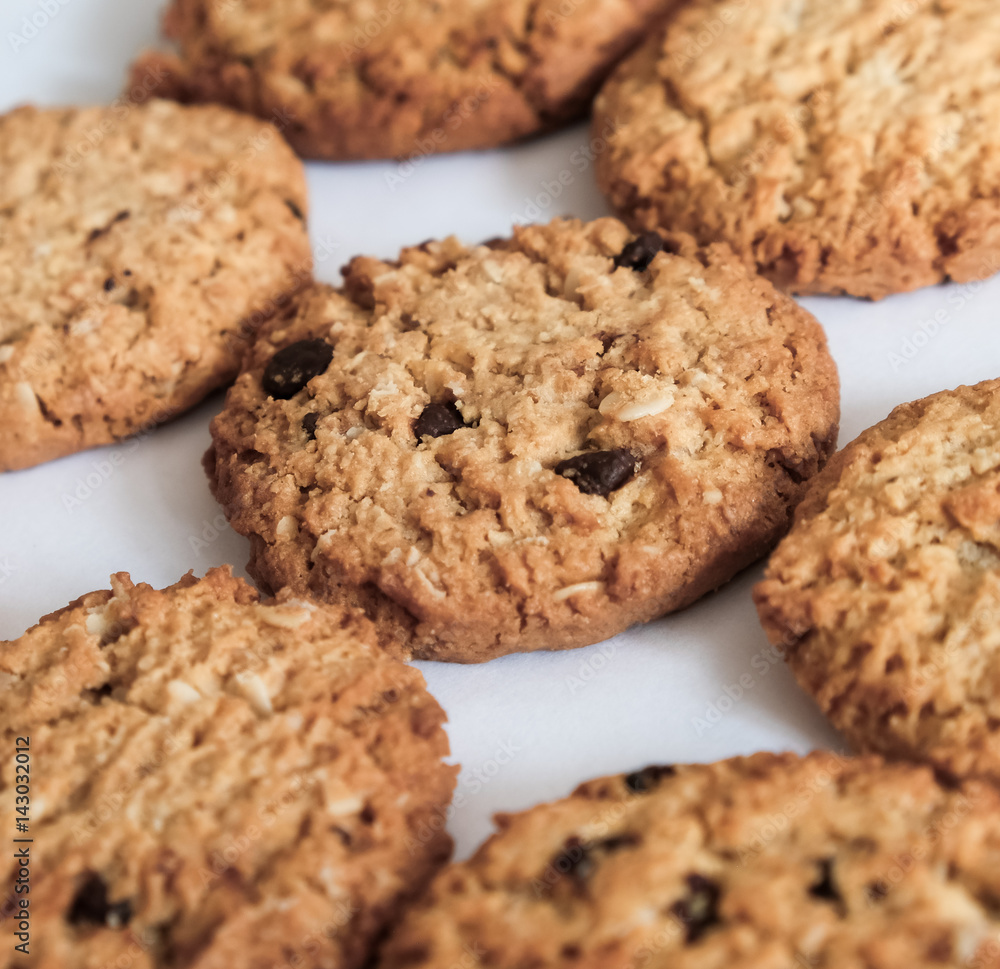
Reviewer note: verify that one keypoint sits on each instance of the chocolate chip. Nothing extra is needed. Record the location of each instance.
(91, 906)
(643, 781)
(578, 859)
(699, 909)
(599, 472)
(640, 252)
(295, 210)
(824, 886)
(309, 425)
(109, 284)
(97, 233)
(293, 367)
(437, 420)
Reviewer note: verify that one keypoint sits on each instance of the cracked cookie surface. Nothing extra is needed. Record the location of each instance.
(840, 148)
(885, 596)
(530, 444)
(217, 781)
(771, 860)
(382, 79)
(139, 246)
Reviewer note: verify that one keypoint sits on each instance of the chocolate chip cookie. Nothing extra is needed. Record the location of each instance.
(140, 245)
(848, 147)
(762, 861)
(397, 77)
(213, 781)
(885, 596)
(529, 444)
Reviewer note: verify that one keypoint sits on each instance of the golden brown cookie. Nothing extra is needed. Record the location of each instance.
(389, 78)
(140, 246)
(212, 781)
(766, 861)
(531, 444)
(849, 147)
(885, 596)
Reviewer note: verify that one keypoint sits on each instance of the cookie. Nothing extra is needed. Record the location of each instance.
(840, 148)
(140, 245)
(885, 596)
(530, 444)
(771, 860)
(214, 781)
(397, 77)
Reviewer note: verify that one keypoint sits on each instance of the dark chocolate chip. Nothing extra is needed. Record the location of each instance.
(109, 284)
(599, 472)
(309, 425)
(640, 252)
(437, 420)
(91, 906)
(295, 210)
(699, 909)
(643, 781)
(824, 887)
(578, 859)
(292, 368)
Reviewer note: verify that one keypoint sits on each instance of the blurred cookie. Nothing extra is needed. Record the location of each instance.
(397, 77)
(531, 444)
(760, 861)
(140, 244)
(215, 781)
(885, 596)
(840, 148)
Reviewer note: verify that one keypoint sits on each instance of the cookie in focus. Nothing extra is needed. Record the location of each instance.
(530, 444)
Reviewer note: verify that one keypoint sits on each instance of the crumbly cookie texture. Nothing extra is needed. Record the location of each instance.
(530, 444)
(848, 147)
(217, 781)
(140, 244)
(771, 860)
(389, 78)
(885, 596)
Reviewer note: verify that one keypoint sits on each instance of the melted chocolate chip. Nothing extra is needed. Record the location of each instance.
(643, 781)
(309, 425)
(699, 909)
(437, 420)
(294, 209)
(640, 252)
(292, 368)
(109, 284)
(91, 906)
(824, 887)
(599, 472)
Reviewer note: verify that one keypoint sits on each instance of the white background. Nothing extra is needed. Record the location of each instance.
(525, 728)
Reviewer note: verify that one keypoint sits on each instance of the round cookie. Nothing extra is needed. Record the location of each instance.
(214, 781)
(851, 147)
(766, 861)
(530, 444)
(397, 77)
(140, 245)
(885, 596)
